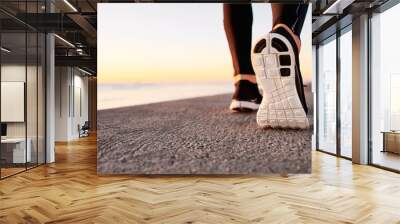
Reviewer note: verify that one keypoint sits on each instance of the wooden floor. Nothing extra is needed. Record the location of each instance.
(387, 159)
(5, 172)
(69, 191)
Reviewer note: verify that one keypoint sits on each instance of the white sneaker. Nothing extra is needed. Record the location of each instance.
(277, 72)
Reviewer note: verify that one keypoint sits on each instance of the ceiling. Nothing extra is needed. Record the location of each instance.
(75, 23)
(329, 16)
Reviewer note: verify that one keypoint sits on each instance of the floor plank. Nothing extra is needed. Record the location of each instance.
(70, 191)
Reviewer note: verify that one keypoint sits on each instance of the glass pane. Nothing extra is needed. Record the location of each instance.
(41, 98)
(327, 97)
(13, 86)
(31, 98)
(31, 88)
(346, 94)
(385, 83)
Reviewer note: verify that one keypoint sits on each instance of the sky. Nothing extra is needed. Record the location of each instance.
(180, 42)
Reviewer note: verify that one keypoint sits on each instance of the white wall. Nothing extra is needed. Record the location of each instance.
(79, 112)
(80, 118)
(12, 73)
(62, 82)
(33, 126)
(13, 101)
(70, 83)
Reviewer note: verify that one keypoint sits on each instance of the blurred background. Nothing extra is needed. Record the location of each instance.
(157, 52)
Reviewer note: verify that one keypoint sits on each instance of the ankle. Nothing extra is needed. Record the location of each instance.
(290, 31)
(248, 77)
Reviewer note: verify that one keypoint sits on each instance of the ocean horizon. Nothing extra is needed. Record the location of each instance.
(131, 94)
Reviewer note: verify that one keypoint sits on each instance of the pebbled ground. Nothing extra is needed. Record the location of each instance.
(196, 136)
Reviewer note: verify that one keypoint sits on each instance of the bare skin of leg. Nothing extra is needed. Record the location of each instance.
(277, 11)
(250, 78)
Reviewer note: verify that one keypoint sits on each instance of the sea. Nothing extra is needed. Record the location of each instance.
(130, 94)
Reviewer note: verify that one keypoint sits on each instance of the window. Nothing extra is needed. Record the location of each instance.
(327, 96)
(385, 89)
(346, 93)
(22, 88)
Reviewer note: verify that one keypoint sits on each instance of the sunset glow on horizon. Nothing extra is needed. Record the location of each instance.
(180, 42)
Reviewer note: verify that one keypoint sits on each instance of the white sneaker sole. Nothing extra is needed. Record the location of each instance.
(281, 106)
(237, 105)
